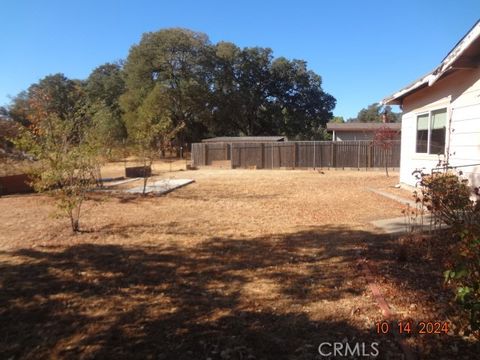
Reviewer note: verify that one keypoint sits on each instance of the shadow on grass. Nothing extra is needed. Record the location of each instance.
(221, 299)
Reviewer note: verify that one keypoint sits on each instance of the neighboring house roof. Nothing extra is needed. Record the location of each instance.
(245, 139)
(359, 126)
(465, 55)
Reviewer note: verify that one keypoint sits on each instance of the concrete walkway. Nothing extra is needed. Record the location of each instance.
(393, 197)
(400, 225)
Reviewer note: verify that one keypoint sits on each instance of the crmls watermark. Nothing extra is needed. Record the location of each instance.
(345, 349)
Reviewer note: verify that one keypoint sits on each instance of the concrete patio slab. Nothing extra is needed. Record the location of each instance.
(161, 186)
(119, 182)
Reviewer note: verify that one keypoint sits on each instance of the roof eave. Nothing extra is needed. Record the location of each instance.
(397, 98)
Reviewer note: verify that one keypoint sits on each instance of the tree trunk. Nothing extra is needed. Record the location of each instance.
(145, 178)
(75, 217)
(146, 163)
(75, 224)
(99, 176)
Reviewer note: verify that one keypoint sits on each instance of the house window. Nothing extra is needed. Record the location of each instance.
(422, 133)
(431, 130)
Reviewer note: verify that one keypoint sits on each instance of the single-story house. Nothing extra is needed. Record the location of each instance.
(244, 139)
(358, 130)
(441, 114)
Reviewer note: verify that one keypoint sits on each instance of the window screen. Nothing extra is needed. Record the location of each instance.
(422, 133)
(437, 131)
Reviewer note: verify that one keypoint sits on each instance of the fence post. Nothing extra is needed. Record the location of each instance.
(262, 153)
(191, 158)
(205, 153)
(365, 148)
(314, 155)
(294, 154)
(369, 151)
(271, 146)
(321, 155)
(358, 156)
(231, 156)
(332, 156)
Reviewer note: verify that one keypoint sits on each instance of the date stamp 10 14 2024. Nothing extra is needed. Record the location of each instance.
(410, 327)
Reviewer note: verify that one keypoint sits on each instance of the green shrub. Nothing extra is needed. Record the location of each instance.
(451, 201)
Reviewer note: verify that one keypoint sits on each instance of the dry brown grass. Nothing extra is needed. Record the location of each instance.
(242, 264)
(239, 203)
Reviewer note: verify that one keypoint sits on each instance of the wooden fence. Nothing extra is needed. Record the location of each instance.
(15, 184)
(297, 154)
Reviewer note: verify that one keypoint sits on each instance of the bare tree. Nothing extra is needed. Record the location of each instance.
(384, 137)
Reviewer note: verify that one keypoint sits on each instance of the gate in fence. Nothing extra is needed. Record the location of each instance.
(297, 154)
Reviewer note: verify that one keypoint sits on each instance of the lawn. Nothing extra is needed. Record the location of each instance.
(241, 264)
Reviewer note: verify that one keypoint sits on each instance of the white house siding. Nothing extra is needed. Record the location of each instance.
(460, 93)
(465, 139)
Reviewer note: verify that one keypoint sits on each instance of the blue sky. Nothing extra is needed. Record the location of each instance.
(364, 50)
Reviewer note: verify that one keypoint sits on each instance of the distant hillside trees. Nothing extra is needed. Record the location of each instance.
(375, 113)
(185, 82)
(337, 120)
(103, 89)
(221, 89)
(172, 67)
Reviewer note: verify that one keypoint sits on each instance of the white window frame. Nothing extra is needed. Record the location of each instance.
(429, 112)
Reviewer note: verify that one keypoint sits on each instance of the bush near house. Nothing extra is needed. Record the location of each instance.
(449, 198)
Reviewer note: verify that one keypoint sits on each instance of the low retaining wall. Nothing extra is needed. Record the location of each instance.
(15, 184)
